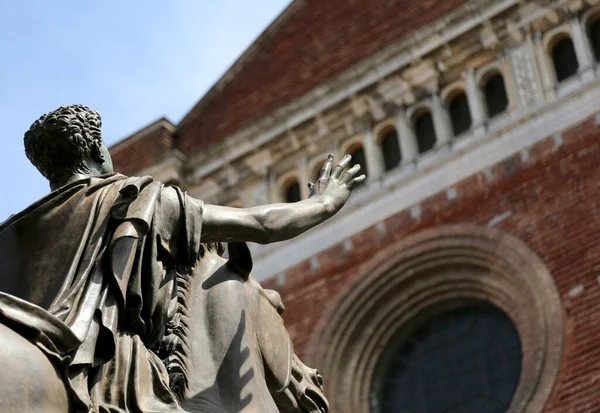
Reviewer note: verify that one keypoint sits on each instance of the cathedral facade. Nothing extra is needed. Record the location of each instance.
(464, 274)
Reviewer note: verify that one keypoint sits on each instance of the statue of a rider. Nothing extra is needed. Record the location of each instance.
(87, 273)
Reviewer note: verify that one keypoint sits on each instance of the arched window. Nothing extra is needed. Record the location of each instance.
(564, 59)
(449, 363)
(437, 331)
(358, 157)
(459, 113)
(292, 192)
(390, 147)
(594, 35)
(496, 99)
(424, 131)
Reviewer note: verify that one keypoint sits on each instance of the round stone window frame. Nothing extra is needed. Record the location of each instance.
(431, 268)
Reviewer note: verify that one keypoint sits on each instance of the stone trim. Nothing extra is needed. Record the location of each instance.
(433, 267)
(551, 37)
(383, 63)
(411, 184)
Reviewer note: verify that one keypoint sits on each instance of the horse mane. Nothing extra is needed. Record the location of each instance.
(176, 345)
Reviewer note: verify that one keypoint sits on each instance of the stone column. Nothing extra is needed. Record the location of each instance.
(476, 105)
(272, 188)
(583, 48)
(408, 142)
(441, 121)
(373, 155)
(545, 66)
(304, 177)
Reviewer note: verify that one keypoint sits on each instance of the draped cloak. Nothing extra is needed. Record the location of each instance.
(88, 273)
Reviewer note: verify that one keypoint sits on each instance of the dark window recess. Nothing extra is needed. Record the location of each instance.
(358, 157)
(425, 132)
(459, 114)
(466, 360)
(495, 95)
(292, 193)
(564, 59)
(390, 147)
(594, 33)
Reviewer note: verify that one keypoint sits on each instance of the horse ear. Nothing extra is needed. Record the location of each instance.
(240, 258)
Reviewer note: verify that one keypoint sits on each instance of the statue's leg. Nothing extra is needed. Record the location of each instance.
(29, 383)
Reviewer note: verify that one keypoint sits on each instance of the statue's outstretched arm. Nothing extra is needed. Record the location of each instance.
(278, 222)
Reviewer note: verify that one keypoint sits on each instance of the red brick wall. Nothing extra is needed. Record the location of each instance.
(139, 152)
(554, 196)
(316, 40)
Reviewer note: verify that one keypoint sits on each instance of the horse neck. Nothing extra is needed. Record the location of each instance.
(177, 346)
(216, 361)
(178, 350)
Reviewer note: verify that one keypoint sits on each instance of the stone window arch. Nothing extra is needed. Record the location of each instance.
(458, 109)
(292, 192)
(493, 88)
(563, 56)
(390, 147)
(443, 267)
(424, 129)
(289, 186)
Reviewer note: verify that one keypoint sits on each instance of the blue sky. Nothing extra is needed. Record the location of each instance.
(132, 61)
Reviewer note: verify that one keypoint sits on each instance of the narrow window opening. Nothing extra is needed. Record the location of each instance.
(564, 59)
(460, 114)
(425, 131)
(390, 147)
(496, 98)
(292, 192)
(594, 34)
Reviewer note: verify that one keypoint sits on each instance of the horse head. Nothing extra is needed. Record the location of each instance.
(294, 386)
(230, 350)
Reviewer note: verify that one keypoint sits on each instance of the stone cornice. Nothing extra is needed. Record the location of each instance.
(389, 60)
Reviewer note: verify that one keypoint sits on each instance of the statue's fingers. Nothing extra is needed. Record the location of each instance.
(327, 167)
(311, 189)
(355, 181)
(350, 173)
(341, 167)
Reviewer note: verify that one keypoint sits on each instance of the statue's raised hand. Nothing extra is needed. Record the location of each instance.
(335, 184)
(265, 224)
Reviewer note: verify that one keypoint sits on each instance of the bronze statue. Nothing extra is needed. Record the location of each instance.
(231, 351)
(89, 273)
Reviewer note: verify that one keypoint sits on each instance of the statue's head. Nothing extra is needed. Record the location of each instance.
(67, 142)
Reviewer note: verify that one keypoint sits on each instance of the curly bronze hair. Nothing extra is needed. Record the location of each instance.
(59, 142)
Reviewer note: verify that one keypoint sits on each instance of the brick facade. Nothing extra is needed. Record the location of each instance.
(549, 198)
(145, 148)
(333, 75)
(315, 41)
